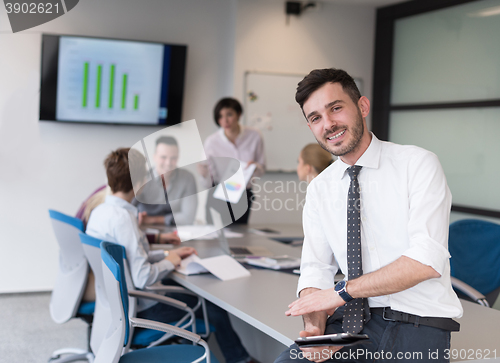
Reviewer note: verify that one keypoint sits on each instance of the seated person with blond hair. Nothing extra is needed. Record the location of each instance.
(313, 159)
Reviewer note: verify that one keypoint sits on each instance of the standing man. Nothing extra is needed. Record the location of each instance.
(381, 214)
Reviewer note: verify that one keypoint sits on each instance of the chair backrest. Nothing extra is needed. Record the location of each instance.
(475, 253)
(73, 268)
(116, 289)
(102, 314)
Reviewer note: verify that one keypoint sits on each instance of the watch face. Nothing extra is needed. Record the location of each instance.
(340, 285)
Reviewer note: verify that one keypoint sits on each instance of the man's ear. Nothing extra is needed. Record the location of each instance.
(364, 106)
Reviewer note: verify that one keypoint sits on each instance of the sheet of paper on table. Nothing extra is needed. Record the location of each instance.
(223, 267)
(203, 232)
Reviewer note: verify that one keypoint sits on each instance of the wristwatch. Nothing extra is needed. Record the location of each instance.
(340, 288)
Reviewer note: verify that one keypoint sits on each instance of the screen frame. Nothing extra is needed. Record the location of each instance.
(49, 75)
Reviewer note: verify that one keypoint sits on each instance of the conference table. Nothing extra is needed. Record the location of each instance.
(261, 299)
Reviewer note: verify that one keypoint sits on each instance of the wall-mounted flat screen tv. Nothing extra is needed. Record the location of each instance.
(98, 80)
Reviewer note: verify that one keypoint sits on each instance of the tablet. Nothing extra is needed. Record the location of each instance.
(344, 339)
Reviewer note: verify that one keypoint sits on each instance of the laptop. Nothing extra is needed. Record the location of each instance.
(236, 252)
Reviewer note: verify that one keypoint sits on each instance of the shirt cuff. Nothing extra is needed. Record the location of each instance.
(156, 256)
(166, 266)
(317, 278)
(430, 253)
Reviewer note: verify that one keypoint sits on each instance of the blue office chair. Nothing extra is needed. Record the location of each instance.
(475, 259)
(72, 275)
(102, 315)
(119, 331)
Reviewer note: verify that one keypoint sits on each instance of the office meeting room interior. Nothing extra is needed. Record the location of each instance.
(83, 87)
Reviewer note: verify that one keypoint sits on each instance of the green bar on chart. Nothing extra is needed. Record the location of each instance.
(98, 87)
(111, 85)
(136, 102)
(124, 91)
(85, 83)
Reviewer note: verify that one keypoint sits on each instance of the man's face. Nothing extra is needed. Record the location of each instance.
(335, 120)
(165, 158)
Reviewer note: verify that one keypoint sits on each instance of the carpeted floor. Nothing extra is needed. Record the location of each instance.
(28, 334)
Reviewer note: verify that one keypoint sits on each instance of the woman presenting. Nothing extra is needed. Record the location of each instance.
(236, 141)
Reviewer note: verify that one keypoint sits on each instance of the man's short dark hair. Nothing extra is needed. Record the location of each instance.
(120, 164)
(227, 102)
(318, 77)
(167, 140)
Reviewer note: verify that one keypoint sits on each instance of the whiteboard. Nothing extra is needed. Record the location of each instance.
(270, 107)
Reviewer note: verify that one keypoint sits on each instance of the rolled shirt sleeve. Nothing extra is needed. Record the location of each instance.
(429, 212)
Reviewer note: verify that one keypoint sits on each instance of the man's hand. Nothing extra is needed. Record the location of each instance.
(317, 354)
(140, 217)
(169, 238)
(148, 220)
(175, 256)
(321, 300)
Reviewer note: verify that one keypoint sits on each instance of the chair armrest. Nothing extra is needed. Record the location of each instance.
(167, 288)
(167, 328)
(159, 298)
(149, 324)
(469, 291)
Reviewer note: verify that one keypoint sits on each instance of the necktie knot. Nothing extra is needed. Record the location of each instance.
(354, 171)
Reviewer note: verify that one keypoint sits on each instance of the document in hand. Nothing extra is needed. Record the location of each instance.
(224, 267)
(235, 185)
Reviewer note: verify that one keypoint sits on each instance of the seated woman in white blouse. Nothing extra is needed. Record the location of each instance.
(236, 141)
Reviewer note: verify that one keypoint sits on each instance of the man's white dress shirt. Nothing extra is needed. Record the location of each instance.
(405, 206)
(116, 221)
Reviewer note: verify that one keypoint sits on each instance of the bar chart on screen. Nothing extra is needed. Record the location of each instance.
(99, 80)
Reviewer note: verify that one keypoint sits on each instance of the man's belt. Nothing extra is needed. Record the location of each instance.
(393, 315)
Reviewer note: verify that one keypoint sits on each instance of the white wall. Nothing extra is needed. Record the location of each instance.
(54, 165)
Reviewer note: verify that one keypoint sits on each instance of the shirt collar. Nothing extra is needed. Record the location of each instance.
(224, 137)
(369, 159)
(119, 202)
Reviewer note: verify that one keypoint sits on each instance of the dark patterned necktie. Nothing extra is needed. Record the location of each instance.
(354, 309)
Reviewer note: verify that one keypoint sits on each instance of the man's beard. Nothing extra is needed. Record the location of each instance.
(356, 131)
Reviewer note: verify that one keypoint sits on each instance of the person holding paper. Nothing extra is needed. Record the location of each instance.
(179, 189)
(381, 214)
(116, 221)
(236, 141)
(313, 159)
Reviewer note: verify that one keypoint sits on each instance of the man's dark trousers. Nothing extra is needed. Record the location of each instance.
(389, 342)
